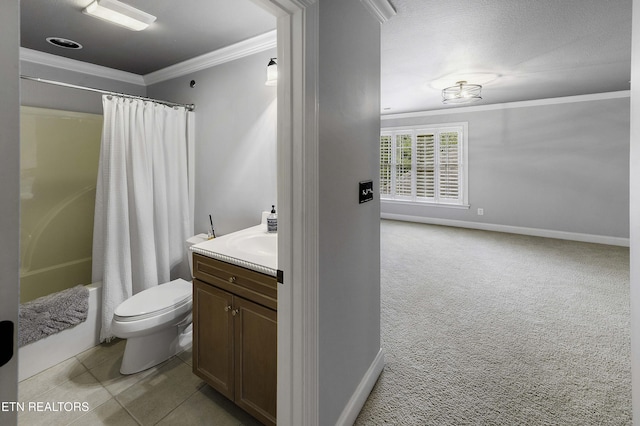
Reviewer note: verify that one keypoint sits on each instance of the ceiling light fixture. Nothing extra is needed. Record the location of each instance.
(272, 72)
(120, 14)
(461, 93)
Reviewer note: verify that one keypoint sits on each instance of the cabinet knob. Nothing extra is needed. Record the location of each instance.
(232, 279)
(235, 312)
(227, 308)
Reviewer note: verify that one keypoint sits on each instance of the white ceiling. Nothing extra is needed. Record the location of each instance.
(538, 48)
(527, 49)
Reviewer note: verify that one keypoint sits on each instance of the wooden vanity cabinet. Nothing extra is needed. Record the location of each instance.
(235, 334)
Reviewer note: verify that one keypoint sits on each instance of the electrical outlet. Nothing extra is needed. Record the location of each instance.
(480, 212)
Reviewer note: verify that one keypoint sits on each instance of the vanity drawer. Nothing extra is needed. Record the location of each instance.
(251, 285)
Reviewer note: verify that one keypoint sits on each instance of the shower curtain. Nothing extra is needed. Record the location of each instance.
(142, 216)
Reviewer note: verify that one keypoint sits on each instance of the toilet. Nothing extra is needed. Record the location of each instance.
(156, 322)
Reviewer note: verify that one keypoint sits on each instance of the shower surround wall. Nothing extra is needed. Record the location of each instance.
(58, 169)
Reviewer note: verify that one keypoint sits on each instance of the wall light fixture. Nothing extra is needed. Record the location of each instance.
(272, 72)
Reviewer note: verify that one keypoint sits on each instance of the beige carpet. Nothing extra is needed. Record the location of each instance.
(484, 328)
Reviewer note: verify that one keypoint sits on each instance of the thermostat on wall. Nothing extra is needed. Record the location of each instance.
(365, 192)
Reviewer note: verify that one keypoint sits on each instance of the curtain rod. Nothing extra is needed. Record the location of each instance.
(189, 107)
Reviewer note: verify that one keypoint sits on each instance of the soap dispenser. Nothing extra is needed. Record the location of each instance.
(272, 220)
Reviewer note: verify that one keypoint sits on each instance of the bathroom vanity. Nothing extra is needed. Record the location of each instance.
(235, 319)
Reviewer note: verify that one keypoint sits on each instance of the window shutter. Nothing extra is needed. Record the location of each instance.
(449, 170)
(385, 164)
(425, 165)
(403, 165)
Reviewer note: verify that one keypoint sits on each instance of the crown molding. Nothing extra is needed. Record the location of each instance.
(509, 105)
(226, 54)
(383, 10)
(42, 58)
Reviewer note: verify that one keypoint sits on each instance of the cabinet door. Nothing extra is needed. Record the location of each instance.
(256, 359)
(213, 337)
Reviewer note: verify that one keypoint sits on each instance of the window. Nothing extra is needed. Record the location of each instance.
(424, 164)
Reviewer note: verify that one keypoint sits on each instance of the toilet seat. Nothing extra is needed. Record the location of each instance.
(155, 301)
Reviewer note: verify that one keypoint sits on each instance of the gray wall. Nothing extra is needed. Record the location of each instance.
(236, 119)
(9, 194)
(48, 96)
(349, 259)
(560, 167)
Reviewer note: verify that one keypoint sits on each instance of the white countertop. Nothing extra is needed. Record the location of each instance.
(252, 248)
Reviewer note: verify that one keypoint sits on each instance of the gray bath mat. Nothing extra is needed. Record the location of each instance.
(53, 313)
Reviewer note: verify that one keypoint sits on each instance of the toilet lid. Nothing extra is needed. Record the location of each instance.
(156, 300)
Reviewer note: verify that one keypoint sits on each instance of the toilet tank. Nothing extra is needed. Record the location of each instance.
(192, 241)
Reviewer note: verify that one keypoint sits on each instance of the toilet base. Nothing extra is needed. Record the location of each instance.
(141, 353)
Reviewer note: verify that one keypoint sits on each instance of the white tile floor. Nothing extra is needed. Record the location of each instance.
(168, 394)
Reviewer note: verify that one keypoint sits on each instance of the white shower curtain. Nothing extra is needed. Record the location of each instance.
(142, 216)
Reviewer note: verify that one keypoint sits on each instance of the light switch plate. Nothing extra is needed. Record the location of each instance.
(365, 191)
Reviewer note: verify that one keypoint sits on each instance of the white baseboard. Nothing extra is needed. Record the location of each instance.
(359, 397)
(536, 232)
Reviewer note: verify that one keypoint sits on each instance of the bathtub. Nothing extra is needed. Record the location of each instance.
(45, 353)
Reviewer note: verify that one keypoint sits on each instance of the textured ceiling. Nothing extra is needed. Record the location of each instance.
(183, 30)
(538, 49)
(525, 49)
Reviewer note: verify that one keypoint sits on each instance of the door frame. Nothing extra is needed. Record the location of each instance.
(10, 205)
(298, 201)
